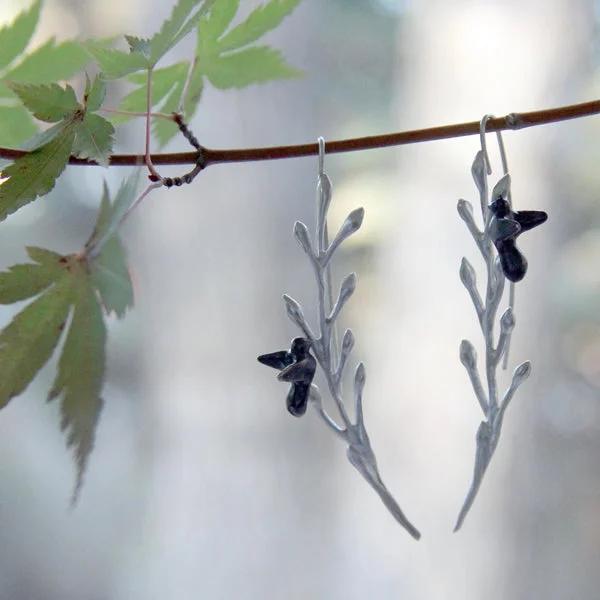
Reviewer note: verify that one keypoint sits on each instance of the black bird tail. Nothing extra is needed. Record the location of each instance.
(514, 264)
(297, 398)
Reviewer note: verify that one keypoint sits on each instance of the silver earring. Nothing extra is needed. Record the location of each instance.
(503, 260)
(297, 366)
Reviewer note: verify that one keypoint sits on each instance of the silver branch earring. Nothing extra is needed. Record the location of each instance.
(503, 260)
(297, 366)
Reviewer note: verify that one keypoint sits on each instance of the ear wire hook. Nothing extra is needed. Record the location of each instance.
(486, 157)
(321, 141)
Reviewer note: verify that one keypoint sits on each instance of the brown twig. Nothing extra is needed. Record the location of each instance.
(512, 121)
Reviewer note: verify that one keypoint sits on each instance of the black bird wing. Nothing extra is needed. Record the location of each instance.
(503, 229)
(278, 360)
(528, 219)
(302, 371)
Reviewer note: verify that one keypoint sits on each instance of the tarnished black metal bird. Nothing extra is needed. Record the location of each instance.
(505, 226)
(298, 367)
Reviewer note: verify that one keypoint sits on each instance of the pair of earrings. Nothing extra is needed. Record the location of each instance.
(497, 244)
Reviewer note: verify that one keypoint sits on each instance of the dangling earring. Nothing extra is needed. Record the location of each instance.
(297, 366)
(501, 226)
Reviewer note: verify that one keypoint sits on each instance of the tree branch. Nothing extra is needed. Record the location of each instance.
(512, 121)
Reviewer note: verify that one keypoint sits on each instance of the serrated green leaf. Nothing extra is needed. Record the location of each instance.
(15, 37)
(51, 63)
(28, 341)
(94, 139)
(177, 26)
(52, 133)
(145, 53)
(213, 26)
(253, 65)
(48, 258)
(114, 63)
(163, 81)
(111, 213)
(139, 45)
(108, 267)
(23, 281)
(260, 21)
(35, 173)
(26, 280)
(16, 125)
(49, 103)
(103, 220)
(81, 374)
(126, 194)
(94, 93)
(213, 60)
(111, 278)
(75, 286)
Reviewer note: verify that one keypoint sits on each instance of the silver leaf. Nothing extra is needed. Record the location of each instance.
(478, 171)
(468, 355)
(507, 321)
(303, 237)
(467, 274)
(502, 188)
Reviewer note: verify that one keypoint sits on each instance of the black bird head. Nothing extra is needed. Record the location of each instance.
(300, 346)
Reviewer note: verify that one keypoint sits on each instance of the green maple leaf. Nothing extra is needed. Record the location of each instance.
(111, 213)
(29, 340)
(47, 64)
(35, 173)
(257, 64)
(51, 62)
(140, 46)
(223, 57)
(15, 37)
(178, 26)
(145, 53)
(79, 131)
(111, 278)
(95, 92)
(109, 268)
(260, 21)
(212, 27)
(81, 373)
(50, 103)
(16, 125)
(24, 281)
(94, 139)
(69, 293)
(115, 63)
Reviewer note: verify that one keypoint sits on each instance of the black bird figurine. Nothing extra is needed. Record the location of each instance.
(297, 366)
(505, 226)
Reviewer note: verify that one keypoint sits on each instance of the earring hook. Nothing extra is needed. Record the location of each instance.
(321, 141)
(482, 132)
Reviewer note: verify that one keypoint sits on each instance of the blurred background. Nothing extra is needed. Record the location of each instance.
(201, 485)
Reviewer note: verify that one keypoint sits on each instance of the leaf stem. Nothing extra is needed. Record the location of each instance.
(186, 85)
(128, 113)
(155, 175)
